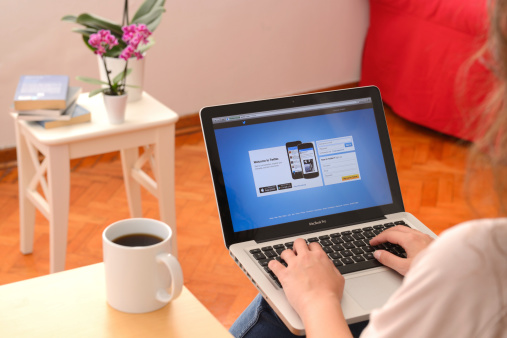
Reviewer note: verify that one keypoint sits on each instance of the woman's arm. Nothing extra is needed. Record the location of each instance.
(314, 288)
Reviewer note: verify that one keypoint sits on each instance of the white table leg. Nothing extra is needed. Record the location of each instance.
(26, 170)
(164, 158)
(59, 200)
(128, 160)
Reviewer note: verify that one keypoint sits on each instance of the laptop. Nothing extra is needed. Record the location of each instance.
(318, 167)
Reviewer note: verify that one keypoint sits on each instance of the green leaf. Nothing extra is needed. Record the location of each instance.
(96, 91)
(154, 24)
(114, 88)
(120, 76)
(92, 21)
(85, 31)
(70, 18)
(150, 17)
(147, 7)
(132, 86)
(91, 80)
(116, 50)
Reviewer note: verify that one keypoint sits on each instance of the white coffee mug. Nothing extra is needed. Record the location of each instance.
(138, 277)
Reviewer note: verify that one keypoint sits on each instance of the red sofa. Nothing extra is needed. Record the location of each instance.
(416, 53)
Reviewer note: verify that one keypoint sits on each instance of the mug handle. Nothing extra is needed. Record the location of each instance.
(176, 277)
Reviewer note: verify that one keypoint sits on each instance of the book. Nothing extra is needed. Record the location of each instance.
(65, 116)
(46, 114)
(41, 92)
(78, 115)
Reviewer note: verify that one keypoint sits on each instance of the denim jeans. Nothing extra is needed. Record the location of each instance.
(259, 320)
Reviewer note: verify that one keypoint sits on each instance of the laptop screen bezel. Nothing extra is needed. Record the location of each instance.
(311, 224)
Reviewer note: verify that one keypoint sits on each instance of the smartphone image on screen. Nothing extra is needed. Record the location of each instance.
(294, 162)
(308, 160)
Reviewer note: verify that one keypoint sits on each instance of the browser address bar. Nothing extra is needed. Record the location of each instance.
(300, 109)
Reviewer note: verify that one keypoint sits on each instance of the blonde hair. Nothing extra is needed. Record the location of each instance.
(491, 144)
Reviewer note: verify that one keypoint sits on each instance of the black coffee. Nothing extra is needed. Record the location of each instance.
(137, 240)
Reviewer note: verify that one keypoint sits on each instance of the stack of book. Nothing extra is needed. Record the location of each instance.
(49, 101)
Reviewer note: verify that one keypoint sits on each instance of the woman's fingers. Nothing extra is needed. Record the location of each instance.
(287, 255)
(412, 241)
(276, 267)
(400, 265)
(314, 246)
(395, 235)
(300, 246)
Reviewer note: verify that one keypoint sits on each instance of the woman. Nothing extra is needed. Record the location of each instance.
(455, 286)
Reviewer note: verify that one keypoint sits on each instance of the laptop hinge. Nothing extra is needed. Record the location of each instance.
(265, 239)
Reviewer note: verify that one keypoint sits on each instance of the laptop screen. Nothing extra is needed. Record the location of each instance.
(300, 164)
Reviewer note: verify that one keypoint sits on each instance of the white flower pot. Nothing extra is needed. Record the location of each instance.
(135, 78)
(115, 107)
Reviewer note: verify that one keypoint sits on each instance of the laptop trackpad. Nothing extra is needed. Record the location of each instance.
(372, 291)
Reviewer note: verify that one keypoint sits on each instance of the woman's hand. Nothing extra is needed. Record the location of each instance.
(413, 241)
(313, 286)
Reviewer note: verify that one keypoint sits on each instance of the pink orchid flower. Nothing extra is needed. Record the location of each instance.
(134, 35)
(101, 40)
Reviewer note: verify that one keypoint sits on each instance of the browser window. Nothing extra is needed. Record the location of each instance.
(335, 146)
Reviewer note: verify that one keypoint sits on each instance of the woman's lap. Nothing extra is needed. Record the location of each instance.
(259, 320)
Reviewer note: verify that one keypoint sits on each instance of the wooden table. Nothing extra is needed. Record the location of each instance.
(148, 123)
(73, 304)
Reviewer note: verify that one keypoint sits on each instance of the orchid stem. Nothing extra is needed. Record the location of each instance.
(125, 75)
(125, 20)
(107, 73)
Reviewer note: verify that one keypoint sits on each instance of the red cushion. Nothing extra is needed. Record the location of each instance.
(415, 52)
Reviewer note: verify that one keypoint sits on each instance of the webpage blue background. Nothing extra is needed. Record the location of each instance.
(250, 212)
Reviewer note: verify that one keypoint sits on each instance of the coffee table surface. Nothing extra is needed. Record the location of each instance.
(73, 304)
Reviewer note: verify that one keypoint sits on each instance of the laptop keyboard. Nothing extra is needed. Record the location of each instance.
(349, 251)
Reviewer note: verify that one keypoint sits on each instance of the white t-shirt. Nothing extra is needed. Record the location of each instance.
(457, 287)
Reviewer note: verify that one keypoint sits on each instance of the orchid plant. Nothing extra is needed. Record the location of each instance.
(149, 14)
(102, 41)
(125, 41)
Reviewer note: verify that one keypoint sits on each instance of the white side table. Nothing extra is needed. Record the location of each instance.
(147, 123)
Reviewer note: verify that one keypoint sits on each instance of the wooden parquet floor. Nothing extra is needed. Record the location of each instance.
(431, 168)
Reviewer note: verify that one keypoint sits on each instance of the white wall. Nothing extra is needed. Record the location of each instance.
(207, 52)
